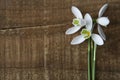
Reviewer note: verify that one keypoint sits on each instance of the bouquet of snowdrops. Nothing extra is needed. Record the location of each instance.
(86, 27)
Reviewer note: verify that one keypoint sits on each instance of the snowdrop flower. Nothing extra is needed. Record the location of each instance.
(79, 22)
(85, 34)
(102, 21)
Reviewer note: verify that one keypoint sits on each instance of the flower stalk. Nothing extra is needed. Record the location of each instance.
(89, 59)
(94, 61)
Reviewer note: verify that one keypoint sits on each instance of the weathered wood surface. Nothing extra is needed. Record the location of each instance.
(33, 45)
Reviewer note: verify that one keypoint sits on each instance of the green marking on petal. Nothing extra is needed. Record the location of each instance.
(76, 22)
(86, 33)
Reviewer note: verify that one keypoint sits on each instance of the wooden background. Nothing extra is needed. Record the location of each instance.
(33, 44)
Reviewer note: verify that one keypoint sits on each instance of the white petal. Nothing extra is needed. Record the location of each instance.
(83, 22)
(100, 31)
(102, 10)
(104, 21)
(77, 40)
(97, 39)
(72, 30)
(88, 19)
(77, 13)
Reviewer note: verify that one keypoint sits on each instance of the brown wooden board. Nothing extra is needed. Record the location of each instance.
(33, 44)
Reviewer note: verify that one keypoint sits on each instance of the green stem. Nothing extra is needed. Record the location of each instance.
(92, 55)
(94, 61)
(89, 59)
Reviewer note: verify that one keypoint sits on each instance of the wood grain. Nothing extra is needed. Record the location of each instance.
(33, 44)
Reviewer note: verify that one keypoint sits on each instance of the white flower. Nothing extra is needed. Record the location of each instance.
(102, 21)
(87, 33)
(79, 22)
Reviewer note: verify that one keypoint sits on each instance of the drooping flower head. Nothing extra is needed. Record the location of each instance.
(86, 33)
(78, 21)
(102, 21)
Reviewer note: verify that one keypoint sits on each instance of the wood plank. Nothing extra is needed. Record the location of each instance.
(24, 48)
(23, 13)
(38, 74)
(44, 12)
